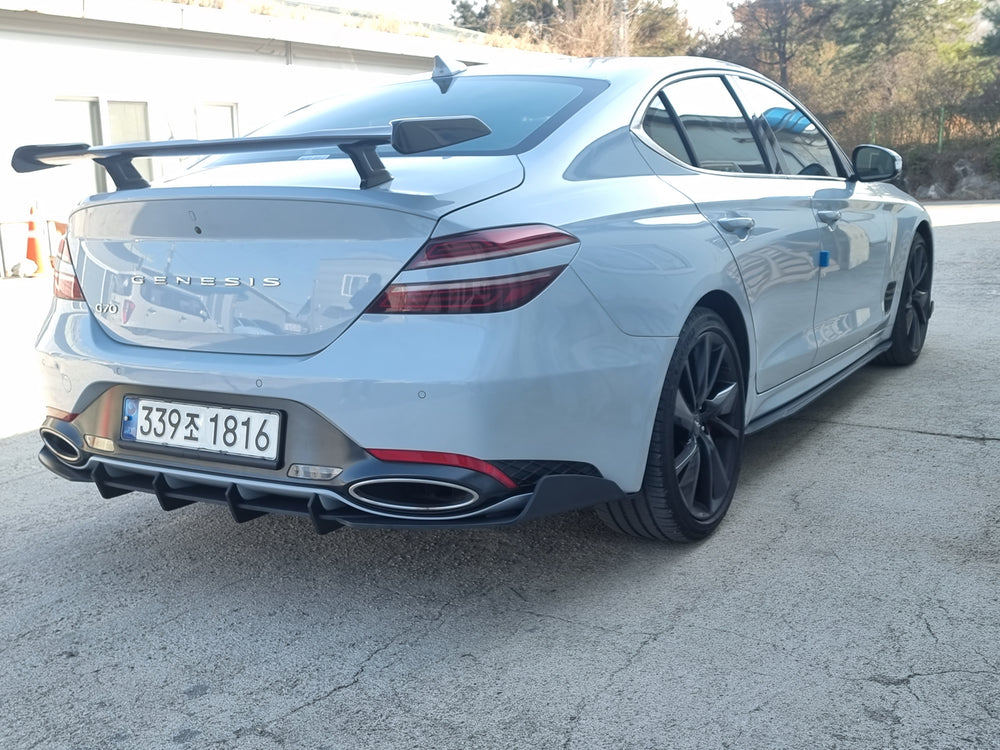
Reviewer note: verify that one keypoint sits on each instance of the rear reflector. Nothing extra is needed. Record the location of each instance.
(310, 471)
(65, 416)
(488, 295)
(500, 242)
(444, 459)
(96, 442)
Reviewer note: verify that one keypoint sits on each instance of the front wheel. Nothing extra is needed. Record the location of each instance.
(913, 313)
(697, 443)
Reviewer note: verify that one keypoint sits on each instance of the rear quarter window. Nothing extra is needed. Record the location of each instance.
(702, 125)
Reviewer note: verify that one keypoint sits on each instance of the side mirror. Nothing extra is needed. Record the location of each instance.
(876, 164)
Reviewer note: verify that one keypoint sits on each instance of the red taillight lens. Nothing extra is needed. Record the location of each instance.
(479, 295)
(65, 416)
(444, 459)
(64, 282)
(496, 294)
(500, 242)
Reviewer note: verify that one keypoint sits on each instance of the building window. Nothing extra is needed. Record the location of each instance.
(215, 121)
(129, 122)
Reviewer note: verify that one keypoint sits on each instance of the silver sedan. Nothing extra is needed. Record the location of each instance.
(477, 297)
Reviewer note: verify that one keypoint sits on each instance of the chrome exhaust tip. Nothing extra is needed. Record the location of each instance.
(63, 440)
(413, 495)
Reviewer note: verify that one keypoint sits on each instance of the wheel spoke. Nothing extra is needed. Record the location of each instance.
(714, 369)
(920, 305)
(919, 267)
(718, 473)
(914, 329)
(718, 424)
(688, 468)
(683, 415)
(909, 322)
(711, 485)
(687, 458)
(706, 483)
(687, 384)
(702, 364)
(917, 312)
(695, 374)
(723, 402)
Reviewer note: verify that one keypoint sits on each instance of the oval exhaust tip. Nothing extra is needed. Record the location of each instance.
(62, 446)
(414, 495)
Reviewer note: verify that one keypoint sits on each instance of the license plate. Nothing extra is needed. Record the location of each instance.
(202, 427)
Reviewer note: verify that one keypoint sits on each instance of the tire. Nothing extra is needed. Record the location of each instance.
(909, 329)
(697, 443)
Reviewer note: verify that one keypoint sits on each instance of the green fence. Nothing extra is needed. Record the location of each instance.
(943, 126)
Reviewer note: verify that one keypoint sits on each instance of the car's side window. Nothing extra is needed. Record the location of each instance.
(803, 148)
(660, 125)
(698, 121)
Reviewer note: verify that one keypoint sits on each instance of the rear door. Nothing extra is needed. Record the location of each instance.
(766, 220)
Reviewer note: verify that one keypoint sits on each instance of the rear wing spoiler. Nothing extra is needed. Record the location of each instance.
(409, 136)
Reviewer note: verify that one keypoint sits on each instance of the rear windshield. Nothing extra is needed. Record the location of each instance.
(520, 110)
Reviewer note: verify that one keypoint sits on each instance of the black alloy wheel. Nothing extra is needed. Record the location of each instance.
(707, 426)
(697, 443)
(913, 314)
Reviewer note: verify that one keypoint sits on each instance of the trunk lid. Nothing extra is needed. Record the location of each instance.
(213, 262)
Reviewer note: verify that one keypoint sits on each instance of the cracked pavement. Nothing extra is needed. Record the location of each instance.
(849, 601)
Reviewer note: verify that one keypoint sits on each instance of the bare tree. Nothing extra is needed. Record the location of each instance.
(776, 30)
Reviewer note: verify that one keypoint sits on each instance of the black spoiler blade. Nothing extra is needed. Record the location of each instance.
(408, 136)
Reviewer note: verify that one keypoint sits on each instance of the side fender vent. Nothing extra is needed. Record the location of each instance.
(890, 292)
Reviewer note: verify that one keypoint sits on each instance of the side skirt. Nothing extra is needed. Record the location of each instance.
(766, 420)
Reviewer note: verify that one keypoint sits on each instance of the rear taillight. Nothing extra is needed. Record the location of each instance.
(65, 285)
(488, 295)
(501, 242)
(476, 295)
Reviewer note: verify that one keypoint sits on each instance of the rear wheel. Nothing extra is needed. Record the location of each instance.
(914, 311)
(697, 442)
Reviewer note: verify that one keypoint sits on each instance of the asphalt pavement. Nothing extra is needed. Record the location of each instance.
(849, 601)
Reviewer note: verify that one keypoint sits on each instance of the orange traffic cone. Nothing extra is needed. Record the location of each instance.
(34, 252)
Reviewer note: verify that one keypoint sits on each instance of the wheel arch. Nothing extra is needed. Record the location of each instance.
(729, 310)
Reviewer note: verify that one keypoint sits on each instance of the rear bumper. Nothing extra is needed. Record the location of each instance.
(555, 380)
(365, 489)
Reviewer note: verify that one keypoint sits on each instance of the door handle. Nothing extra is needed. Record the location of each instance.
(829, 217)
(739, 225)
